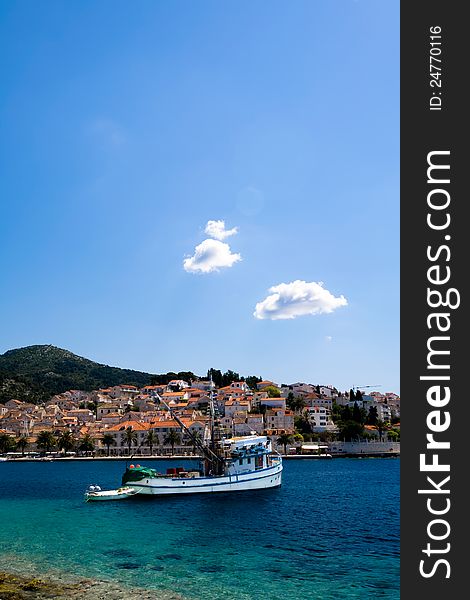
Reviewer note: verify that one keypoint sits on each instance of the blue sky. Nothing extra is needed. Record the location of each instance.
(126, 127)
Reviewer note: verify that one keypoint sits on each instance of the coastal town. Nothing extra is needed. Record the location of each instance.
(125, 420)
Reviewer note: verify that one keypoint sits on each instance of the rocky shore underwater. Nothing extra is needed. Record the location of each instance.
(14, 586)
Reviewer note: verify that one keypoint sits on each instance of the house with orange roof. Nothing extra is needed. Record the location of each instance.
(229, 392)
(112, 418)
(119, 433)
(273, 402)
(199, 403)
(108, 409)
(154, 390)
(236, 405)
(83, 414)
(175, 397)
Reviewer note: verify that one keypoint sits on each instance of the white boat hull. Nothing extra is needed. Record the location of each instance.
(269, 477)
(101, 496)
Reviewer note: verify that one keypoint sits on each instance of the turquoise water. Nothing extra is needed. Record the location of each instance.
(330, 532)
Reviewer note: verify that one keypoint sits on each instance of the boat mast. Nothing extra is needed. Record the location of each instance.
(207, 452)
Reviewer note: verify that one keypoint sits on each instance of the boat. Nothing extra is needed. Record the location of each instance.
(227, 465)
(96, 494)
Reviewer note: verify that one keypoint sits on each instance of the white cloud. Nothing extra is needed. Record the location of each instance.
(210, 255)
(298, 298)
(216, 230)
(328, 338)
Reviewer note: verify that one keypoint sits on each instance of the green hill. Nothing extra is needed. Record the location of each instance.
(35, 373)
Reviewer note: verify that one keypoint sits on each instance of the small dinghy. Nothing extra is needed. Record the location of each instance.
(95, 494)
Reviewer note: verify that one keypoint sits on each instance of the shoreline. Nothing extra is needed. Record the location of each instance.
(30, 583)
(185, 457)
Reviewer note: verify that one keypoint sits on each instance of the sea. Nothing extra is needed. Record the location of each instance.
(330, 532)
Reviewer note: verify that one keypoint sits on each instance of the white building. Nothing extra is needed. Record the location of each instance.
(320, 419)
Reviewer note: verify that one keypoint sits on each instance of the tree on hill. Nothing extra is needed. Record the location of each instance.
(229, 377)
(373, 416)
(216, 376)
(272, 391)
(36, 373)
(357, 414)
(187, 376)
(252, 381)
(295, 403)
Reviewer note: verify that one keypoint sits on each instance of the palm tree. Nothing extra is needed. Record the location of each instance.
(65, 441)
(151, 440)
(108, 440)
(172, 438)
(284, 439)
(131, 437)
(296, 403)
(6, 443)
(197, 438)
(380, 428)
(21, 444)
(46, 440)
(86, 443)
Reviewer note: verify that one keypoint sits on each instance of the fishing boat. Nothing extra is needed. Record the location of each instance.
(227, 465)
(96, 494)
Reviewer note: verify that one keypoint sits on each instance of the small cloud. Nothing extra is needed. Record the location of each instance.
(298, 298)
(328, 338)
(210, 255)
(216, 230)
